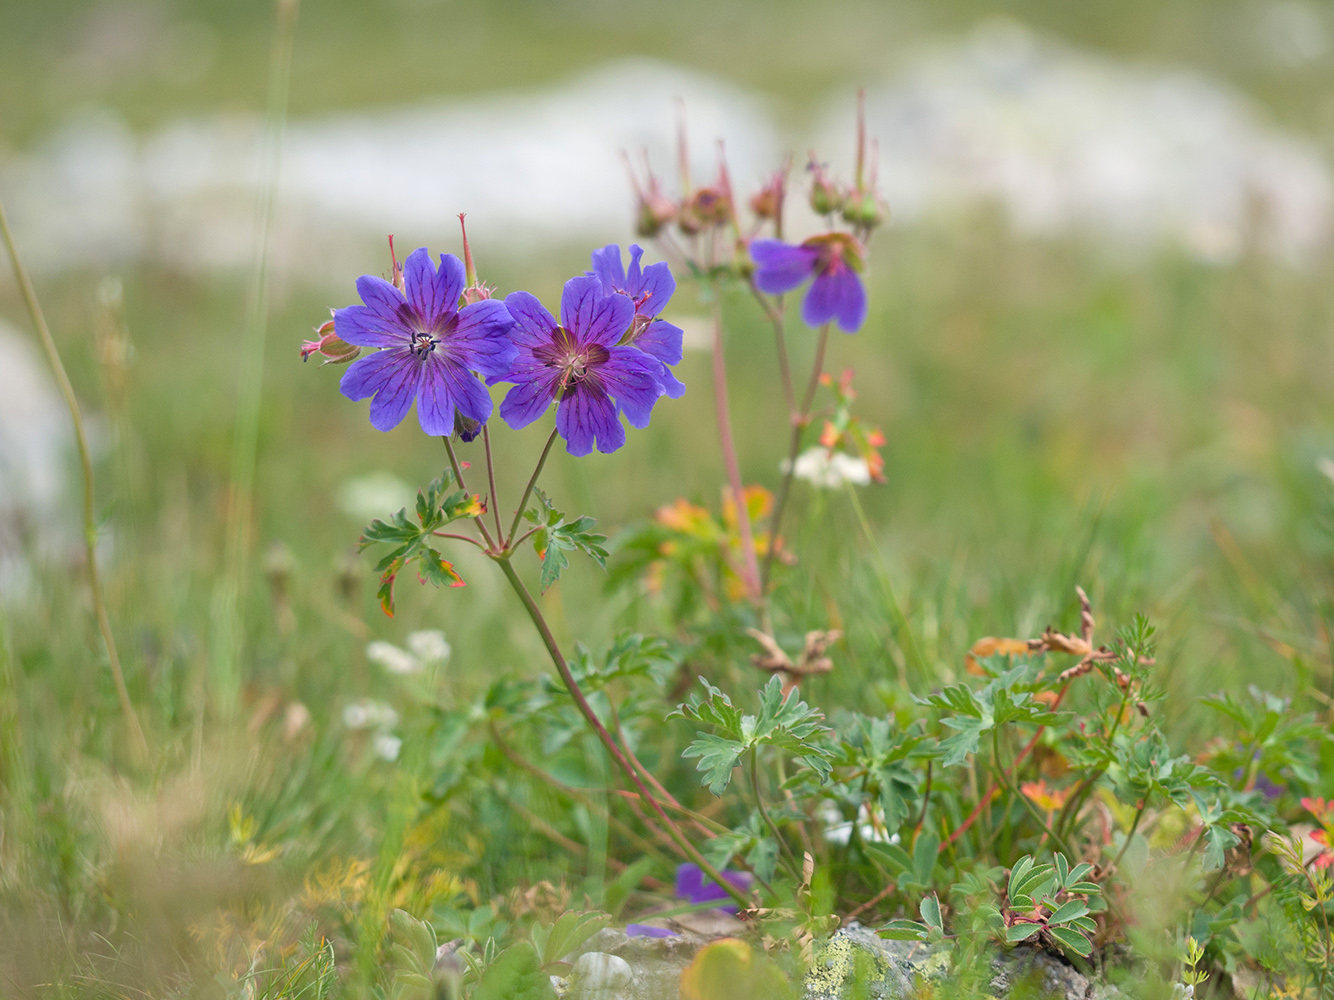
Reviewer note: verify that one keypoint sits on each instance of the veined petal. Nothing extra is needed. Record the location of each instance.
(587, 415)
(525, 402)
(630, 377)
(482, 334)
(608, 269)
(447, 385)
(384, 300)
(392, 377)
(836, 294)
(366, 376)
(781, 267)
(532, 320)
(592, 316)
(362, 326)
(656, 280)
(672, 387)
(661, 340)
(433, 294)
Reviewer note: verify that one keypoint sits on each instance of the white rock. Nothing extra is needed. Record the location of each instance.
(1067, 140)
(36, 447)
(598, 974)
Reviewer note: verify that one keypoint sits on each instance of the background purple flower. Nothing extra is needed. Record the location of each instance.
(833, 260)
(648, 931)
(649, 289)
(694, 886)
(581, 363)
(429, 348)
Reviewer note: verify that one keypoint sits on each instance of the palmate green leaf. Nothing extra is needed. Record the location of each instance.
(570, 931)
(1021, 932)
(1070, 910)
(903, 930)
(555, 537)
(1072, 940)
(516, 974)
(955, 749)
(717, 756)
(435, 569)
(1218, 839)
(930, 910)
(717, 710)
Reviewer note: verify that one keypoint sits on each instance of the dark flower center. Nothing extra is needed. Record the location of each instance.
(422, 344)
(576, 363)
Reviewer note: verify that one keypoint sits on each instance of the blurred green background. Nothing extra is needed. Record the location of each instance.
(1150, 427)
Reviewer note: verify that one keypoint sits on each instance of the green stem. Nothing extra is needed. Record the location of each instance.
(491, 479)
(479, 520)
(789, 860)
(585, 709)
(86, 465)
(800, 420)
(1005, 779)
(1134, 825)
(528, 491)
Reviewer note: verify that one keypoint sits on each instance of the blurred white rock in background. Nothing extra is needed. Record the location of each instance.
(530, 169)
(36, 442)
(1065, 140)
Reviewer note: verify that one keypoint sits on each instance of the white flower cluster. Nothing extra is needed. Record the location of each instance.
(424, 648)
(829, 469)
(376, 715)
(869, 826)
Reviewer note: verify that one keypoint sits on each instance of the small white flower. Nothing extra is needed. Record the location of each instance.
(391, 658)
(429, 645)
(387, 746)
(839, 830)
(829, 469)
(367, 714)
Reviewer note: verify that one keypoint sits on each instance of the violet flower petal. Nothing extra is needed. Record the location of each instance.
(593, 316)
(587, 415)
(781, 267)
(362, 326)
(483, 330)
(525, 402)
(648, 931)
(384, 300)
(630, 376)
(433, 294)
(836, 294)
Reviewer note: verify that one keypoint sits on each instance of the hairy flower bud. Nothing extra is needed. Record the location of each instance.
(334, 350)
(827, 196)
(865, 209)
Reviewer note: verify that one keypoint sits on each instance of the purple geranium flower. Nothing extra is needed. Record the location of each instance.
(694, 886)
(582, 364)
(649, 289)
(833, 259)
(429, 347)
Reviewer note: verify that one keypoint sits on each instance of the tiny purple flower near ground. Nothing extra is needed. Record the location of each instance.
(833, 260)
(694, 886)
(648, 289)
(581, 364)
(648, 931)
(428, 346)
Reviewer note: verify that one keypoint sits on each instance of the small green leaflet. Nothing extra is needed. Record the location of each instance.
(785, 723)
(554, 537)
(409, 540)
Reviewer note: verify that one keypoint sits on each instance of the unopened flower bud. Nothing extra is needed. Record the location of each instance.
(767, 202)
(465, 427)
(653, 209)
(334, 350)
(707, 207)
(865, 209)
(826, 195)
